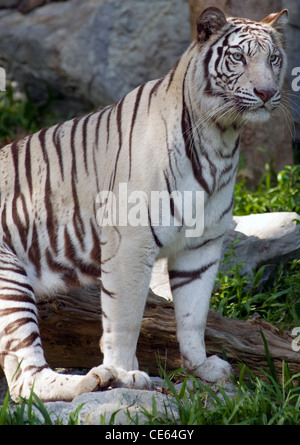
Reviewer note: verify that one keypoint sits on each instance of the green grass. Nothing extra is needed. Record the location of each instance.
(276, 300)
(257, 402)
(274, 193)
(32, 411)
(20, 115)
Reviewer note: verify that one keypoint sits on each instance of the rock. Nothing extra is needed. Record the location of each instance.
(255, 240)
(8, 4)
(293, 50)
(123, 406)
(26, 6)
(92, 52)
(99, 407)
(266, 238)
(3, 388)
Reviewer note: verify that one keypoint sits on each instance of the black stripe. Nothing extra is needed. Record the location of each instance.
(15, 325)
(196, 273)
(119, 127)
(190, 147)
(28, 341)
(69, 275)
(57, 145)
(51, 222)
(136, 105)
(22, 298)
(15, 157)
(169, 191)
(34, 253)
(70, 253)
(28, 164)
(235, 149)
(204, 243)
(153, 91)
(17, 283)
(171, 74)
(227, 210)
(84, 139)
(6, 233)
(14, 310)
(98, 124)
(157, 241)
(108, 127)
(108, 293)
(13, 269)
(72, 145)
(188, 276)
(22, 228)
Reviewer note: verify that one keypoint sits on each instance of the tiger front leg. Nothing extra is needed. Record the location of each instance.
(125, 286)
(192, 275)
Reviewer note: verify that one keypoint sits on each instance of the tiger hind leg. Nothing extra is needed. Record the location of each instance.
(21, 353)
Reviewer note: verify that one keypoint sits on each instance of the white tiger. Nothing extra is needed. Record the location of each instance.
(179, 133)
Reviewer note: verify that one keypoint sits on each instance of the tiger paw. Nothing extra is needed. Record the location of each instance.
(214, 369)
(133, 380)
(98, 378)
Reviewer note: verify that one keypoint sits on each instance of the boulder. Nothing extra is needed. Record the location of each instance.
(262, 239)
(254, 240)
(92, 52)
(123, 406)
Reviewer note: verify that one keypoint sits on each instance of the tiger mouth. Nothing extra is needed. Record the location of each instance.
(254, 108)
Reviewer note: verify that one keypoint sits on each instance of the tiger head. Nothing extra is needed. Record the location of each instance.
(245, 63)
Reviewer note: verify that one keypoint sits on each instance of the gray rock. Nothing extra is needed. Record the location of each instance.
(92, 52)
(9, 3)
(254, 240)
(99, 407)
(123, 406)
(259, 239)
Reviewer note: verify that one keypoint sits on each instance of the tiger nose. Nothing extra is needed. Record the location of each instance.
(265, 95)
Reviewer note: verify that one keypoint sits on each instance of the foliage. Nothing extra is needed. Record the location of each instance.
(32, 411)
(276, 300)
(20, 115)
(274, 193)
(258, 401)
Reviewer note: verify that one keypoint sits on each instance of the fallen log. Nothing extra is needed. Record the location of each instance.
(71, 328)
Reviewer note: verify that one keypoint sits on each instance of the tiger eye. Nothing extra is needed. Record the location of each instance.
(273, 58)
(238, 56)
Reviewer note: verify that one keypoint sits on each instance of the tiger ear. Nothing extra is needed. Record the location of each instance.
(277, 20)
(210, 21)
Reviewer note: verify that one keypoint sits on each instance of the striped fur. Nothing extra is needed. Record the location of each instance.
(179, 133)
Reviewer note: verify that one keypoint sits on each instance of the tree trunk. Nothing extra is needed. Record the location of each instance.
(71, 327)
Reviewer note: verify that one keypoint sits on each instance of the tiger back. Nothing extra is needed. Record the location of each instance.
(102, 197)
